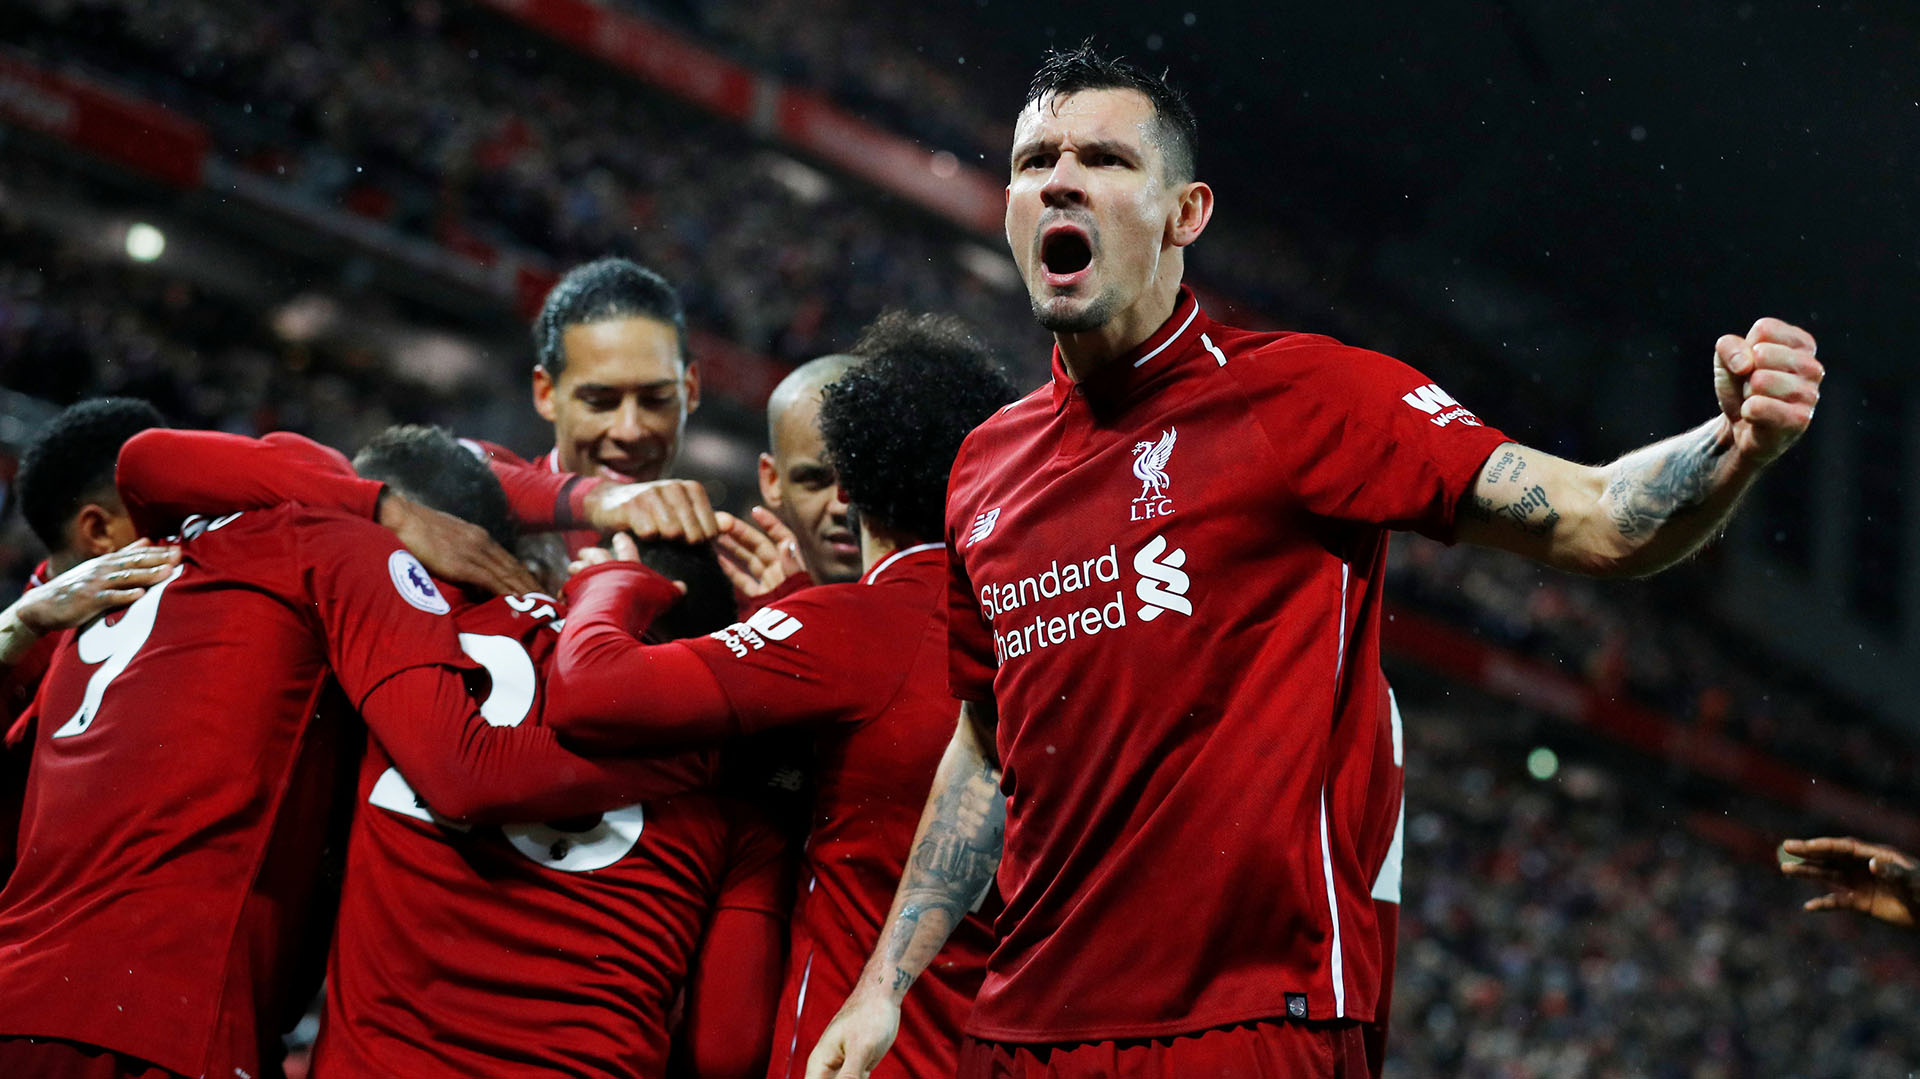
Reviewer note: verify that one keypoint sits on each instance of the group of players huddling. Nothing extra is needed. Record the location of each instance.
(529, 823)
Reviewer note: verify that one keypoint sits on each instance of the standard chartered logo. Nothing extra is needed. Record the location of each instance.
(1162, 586)
(1090, 608)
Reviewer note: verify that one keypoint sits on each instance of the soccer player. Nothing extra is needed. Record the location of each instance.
(182, 776)
(1165, 580)
(1872, 878)
(863, 666)
(797, 486)
(544, 948)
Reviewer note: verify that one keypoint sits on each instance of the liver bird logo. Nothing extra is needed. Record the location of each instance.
(1150, 464)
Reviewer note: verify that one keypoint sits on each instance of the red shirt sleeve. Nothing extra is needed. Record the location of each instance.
(735, 988)
(1363, 437)
(971, 660)
(394, 650)
(541, 499)
(805, 661)
(165, 475)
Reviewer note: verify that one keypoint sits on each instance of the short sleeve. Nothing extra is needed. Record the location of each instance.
(809, 658)
(539, 498)
(379, 611)
(1363, 437)
(970, 655)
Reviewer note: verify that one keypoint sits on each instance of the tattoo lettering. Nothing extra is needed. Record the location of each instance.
(1500, 466)
(901, 979)
(1648, 492)
(1521, 514)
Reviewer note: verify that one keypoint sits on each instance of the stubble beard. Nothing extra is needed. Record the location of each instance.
(1097, 313)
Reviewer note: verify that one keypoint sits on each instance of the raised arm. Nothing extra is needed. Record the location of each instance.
(955, 854)
(1658, 504)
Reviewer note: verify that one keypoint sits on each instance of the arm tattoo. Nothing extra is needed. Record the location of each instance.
(1667, 481)
(1529, 510)
(949, 872)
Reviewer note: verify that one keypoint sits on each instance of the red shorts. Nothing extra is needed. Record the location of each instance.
(51, 1058)
(1332, 1050)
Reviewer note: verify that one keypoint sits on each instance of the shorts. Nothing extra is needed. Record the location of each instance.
(52, 1058)
(1257, 1050)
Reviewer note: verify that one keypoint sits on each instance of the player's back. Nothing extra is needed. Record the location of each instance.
(179, 784)
(532, 949)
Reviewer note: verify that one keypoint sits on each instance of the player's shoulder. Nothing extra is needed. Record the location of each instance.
(1004, 427)
(1296, 366)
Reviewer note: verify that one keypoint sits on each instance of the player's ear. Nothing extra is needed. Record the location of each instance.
(769, 482)
(97, 530)
(543, 390)
(691, 381)
(1193, 208)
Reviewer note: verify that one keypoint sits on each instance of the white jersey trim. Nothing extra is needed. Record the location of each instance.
(1191, 315)
(896, 556)
(1337, 962)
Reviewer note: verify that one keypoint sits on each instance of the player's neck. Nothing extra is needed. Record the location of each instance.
(1084, 354)
(876, 543)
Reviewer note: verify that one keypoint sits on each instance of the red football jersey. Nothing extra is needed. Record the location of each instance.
(1169, 578)
(864, 665)
(166, 474)
(529, 949)
(180, 784)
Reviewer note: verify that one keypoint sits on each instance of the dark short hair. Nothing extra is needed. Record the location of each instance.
(71, 462)
(1083, 67)
(601, 291)
(431, 467)
(894, 424)
(708, 604)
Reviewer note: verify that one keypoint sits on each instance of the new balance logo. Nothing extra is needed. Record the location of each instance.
(1162, 586)
(763, 625)
(1430, 399)
(983, 526)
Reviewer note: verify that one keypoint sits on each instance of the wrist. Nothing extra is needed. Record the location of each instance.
(16, 636)
(389, 508)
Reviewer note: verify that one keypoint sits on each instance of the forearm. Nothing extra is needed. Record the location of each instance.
(1636, 516)
(611, 691)
(1665, 501)
(468, 770)
(956, 852)
(164, 475)
(16, 637)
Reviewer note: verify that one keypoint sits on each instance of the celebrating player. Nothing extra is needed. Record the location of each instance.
(181, 783)
(864, 666)
(803, 500)
(1165, 584)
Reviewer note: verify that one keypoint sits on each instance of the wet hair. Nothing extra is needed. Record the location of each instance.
(1083, 67)
(431, 467)
(894, 424)
(601, 291)
(70, 464)
(708, 604)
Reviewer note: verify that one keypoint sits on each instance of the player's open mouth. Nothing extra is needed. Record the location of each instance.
(623, 471)
(1066, 254)
(842, 542)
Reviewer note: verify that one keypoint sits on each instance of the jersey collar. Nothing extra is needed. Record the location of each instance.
(881, 566)
(1162, 348)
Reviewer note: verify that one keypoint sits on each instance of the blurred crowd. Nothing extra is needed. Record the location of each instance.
(1628, 641)
(1577, 928)
(446, 121)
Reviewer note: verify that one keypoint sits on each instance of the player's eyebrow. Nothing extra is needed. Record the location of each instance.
(1083, 147)
(621, 387)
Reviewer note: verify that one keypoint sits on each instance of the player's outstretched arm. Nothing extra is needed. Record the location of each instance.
(955, 854)
(84, 592)
(1658, 504)
(1872, 878)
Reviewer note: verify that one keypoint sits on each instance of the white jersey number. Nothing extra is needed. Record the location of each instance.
(113, 647)
(508, 703)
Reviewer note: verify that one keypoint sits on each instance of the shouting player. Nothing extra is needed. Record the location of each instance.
(863, 666)
(1165, 583)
